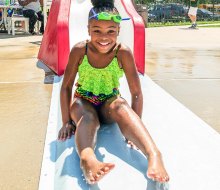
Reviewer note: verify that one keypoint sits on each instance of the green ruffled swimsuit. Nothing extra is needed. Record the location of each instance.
(98, 84)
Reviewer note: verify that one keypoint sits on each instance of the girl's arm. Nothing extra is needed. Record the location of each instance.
(131, 73)
(68, 81)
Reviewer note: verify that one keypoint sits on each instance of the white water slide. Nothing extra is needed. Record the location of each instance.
(190, 148)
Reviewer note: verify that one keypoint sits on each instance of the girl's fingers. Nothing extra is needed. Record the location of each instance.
(60, 135)
(65, 133)
(69, 133)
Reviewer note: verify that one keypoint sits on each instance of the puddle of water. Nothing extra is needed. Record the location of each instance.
(192, 76)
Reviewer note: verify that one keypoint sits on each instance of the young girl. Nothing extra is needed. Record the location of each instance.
(100, 62)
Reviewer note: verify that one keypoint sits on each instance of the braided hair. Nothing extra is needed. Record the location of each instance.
(103, 6)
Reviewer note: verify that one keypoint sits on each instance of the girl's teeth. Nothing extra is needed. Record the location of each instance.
(104, 44)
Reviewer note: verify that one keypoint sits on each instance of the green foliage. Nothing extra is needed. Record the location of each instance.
(175, 1)
(200, 23)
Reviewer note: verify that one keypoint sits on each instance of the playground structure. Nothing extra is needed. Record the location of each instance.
(67, 25)
(173, 126)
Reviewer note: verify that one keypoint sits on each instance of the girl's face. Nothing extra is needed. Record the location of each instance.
(103, 34)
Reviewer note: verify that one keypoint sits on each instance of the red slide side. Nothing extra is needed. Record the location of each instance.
(139, 35)
(55, 47)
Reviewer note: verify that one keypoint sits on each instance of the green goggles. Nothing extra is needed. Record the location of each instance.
(107, 16)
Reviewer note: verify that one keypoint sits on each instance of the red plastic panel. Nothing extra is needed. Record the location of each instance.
(54, 50)
(139, 35)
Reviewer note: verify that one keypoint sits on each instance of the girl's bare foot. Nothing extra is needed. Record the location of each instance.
(156, 170)
(94, 170)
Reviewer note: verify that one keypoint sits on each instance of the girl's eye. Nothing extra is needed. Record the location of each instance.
(111, 32)
(96, 31)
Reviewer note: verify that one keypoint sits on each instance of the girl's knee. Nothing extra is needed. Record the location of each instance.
(118, 105)
(90, 120)
(77, 104)
(81, 110)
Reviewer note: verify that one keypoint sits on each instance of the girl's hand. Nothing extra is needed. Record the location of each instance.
(67, 131)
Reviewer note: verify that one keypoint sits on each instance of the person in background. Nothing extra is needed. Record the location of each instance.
(32, 10)
(193, 12)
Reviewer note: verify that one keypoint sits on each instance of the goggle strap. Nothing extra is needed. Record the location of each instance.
(95, 15)
(125, 18)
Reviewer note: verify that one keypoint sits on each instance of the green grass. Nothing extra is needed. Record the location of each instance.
(200, 23)
(210, 26)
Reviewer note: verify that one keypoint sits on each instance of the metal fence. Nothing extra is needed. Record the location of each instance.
(162, 12)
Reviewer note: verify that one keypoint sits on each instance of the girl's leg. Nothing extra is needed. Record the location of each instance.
(131, 126)
(86, 119)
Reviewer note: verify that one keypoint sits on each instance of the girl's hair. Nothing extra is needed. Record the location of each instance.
(103, 6)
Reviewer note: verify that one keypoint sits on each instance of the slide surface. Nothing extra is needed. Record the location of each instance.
(189, 146)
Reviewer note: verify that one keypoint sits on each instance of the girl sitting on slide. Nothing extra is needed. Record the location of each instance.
(100, 62)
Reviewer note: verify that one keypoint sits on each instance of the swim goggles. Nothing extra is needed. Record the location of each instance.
(107, 16)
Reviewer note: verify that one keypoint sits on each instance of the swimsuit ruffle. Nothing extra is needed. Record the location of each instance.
(99, 80)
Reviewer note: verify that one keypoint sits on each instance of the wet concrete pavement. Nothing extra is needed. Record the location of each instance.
(186, 63)
(24, 103)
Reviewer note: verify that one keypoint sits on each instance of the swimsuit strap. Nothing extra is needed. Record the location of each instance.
(116, 53)
(86, 48)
